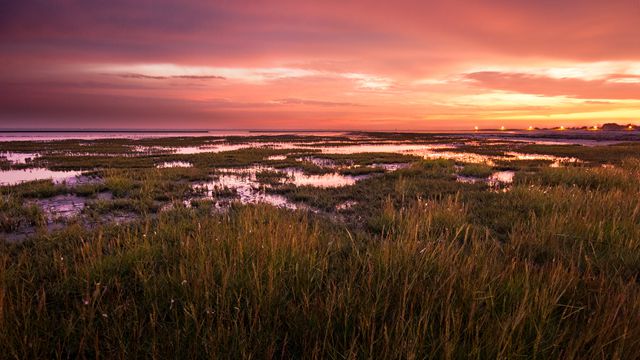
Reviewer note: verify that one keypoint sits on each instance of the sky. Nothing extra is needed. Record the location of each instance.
(336, 65)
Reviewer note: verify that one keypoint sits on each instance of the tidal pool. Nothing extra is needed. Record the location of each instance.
(391, 166)
(14, 177)
(558, 159)
(398, 148)
(501, 177)
(330, 180)
(320, 162)
(216, 148)
(277, 157)
(18, 158)
(174, 164)
(496, 179)
(248, 190)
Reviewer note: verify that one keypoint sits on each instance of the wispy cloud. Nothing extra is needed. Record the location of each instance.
(294, 101)
(190, 77)
(549, 86)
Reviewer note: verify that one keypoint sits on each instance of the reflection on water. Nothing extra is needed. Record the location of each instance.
(13, 177)
(93, 135)
(497, 179)
(391, 166)
(330, 180)
(427, 151)
(320, 162)
(399, 148)
(559, 159)
(18, 158)
(246, 188)
(501, 177)
(295, 176)
(174, 164)
(459, 156)
(448, 150)
(244, 183)
(216, 148)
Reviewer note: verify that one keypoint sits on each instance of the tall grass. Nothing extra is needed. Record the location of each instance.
(261, 282)
(428, 268)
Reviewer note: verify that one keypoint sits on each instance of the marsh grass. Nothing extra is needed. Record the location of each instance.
(582, 176)
(612, 154)
(368, 158)
(5, 164)
(361, 170)
(14, 215)
(421, 266)
(270, 177)
(476, 170)
(258, 280)
(36, 189)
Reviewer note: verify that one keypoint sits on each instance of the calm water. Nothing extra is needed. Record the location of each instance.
(496, 179)
(587, 138)
(88, 135)
(249, 190)
(174, 164)
(13, 177)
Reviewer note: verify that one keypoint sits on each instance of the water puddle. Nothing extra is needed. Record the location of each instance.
(244, 184)
(246, 189)
(14, 177)
(501, 177)
(495, 180)
(293, 176)
(320, 162)
(19, 158)
(174, 164)
(331, 180)
(391, 166)
(461, 157)
(398, 148)
(554, 159)
(216, 148)
(426, 151)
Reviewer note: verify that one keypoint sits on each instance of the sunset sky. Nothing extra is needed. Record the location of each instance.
(406, 65)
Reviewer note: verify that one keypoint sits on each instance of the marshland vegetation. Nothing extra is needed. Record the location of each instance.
(419, 265)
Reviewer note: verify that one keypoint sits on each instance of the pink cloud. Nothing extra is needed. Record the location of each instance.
(547, 86)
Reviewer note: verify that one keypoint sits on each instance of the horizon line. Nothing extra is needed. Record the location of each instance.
(200, 130)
